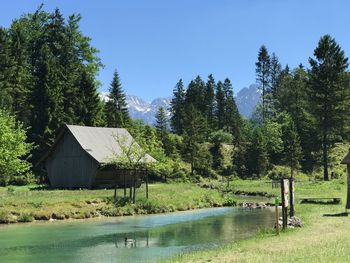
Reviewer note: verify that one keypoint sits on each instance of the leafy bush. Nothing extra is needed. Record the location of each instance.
(229, 201)
(25, 218)
(13, 149)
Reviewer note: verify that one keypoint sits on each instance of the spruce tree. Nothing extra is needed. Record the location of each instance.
(90, 108)
(177, 108)
(194, 135)
(263, 77)
(117, 114)
(327, 101)
(220, 106)
(161, 125)
(210, 89)
(231, 114)
(292, 151)
(257, 154)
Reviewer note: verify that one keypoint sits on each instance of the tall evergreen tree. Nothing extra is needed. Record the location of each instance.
(220, 106)
(327, 101)
(263, 66)
(231, 114)
(257, 154)
(161, 125)
(292, 151)
(90, 106)
(210, 89)
(194, 135)
(117, 114)
(177, 108)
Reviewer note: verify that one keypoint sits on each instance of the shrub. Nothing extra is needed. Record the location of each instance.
(229, 201)
(25, 218)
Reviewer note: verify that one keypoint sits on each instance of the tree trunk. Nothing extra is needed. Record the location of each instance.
(325, 158)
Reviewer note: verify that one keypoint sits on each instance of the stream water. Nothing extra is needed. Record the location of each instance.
(149, 237)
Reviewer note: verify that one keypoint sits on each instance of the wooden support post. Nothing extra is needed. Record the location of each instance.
(291, 196)
(146, 184)
(134, 194)
(115, 190)
(277, 218)
(130, 192)
(124, 184)
(284, 195)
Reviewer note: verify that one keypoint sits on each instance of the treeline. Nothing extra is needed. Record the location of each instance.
(302, 114)
(48, 74)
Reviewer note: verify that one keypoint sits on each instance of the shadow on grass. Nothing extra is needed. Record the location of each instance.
(337, 215)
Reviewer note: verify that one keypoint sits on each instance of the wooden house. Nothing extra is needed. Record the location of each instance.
(79, 156)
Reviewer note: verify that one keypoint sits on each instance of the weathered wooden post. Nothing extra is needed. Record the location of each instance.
(291, 194)
(346, 161)
(277, 219)
(146, 184)
(284, 196)
(134, 183)
(124, 184)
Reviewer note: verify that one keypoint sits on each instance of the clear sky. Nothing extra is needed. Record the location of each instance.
(153, 43)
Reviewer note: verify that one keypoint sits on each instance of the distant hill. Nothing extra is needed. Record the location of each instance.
(246, 100)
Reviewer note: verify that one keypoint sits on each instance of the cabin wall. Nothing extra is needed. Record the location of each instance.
(69, 166)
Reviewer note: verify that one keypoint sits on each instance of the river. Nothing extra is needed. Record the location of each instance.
(149, 237)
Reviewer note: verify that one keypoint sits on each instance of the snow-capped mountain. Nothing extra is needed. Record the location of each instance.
(246, 100)
(146, 111)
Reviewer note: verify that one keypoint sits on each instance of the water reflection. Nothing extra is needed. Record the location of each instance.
(130, 239)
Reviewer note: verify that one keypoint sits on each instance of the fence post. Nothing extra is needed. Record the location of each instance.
(291, 194)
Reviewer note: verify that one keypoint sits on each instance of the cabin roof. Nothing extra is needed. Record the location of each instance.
(346, 159)
(99, 142)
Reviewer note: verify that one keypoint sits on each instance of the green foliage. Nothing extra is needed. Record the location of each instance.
(14, 150)
(330, 95)
(116, 108)
(229, 201)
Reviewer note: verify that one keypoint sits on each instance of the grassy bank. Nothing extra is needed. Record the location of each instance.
(28, 203)
(324, 237)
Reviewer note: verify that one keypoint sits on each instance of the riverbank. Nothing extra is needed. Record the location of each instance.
(30, 203)
(324, 237)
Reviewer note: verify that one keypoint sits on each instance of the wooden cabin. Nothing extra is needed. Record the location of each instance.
(346, 161)
(79, 156)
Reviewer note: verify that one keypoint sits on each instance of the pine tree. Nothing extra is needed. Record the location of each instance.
(292, 151)
(194, 135)
(275, 76)
(263, 66)
(161, 125)
(177, 108)
(90, 108)
(231, 114)
(210, 88)
(327, 101)
(257, 154)
(220, 106)
(117, 114)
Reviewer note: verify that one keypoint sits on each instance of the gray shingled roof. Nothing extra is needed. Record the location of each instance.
(101, 142)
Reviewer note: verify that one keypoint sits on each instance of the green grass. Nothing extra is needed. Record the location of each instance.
(322, 239)
(26, 203)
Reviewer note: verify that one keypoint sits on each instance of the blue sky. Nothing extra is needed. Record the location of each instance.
(154, 43)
